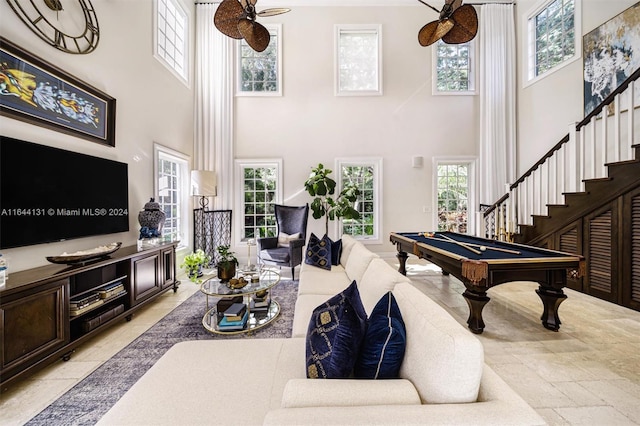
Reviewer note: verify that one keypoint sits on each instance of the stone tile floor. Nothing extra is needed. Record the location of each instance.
(587, 373)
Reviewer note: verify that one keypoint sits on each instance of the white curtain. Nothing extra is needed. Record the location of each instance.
(497, 100)
(213, 136)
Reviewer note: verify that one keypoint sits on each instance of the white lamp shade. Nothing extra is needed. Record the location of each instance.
(203, 183)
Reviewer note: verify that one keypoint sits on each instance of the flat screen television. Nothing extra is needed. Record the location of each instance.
(49, 194)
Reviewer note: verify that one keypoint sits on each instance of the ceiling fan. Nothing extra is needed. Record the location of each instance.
(237, 19)
(457, 24)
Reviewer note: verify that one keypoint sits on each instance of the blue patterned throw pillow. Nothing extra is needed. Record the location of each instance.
(336, 251)
(335, 334)
(384, 344)
(319, 252)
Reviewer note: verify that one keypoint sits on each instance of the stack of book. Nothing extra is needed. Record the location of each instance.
(260, 304)
(81, 304)
(235, 317)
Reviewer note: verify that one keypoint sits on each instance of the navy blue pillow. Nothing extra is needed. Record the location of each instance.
(319, 252)
(335, 334)
(336, 251)
(384, 344)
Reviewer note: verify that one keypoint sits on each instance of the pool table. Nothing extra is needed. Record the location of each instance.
(482, 263)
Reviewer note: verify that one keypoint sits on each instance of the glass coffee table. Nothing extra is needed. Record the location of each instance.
(258, 283)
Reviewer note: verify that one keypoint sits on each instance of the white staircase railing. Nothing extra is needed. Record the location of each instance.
(606, 135)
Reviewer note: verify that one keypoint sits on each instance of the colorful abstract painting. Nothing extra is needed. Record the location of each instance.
(611, 54)
(34, 91)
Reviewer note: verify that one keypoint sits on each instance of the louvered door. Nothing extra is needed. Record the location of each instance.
(569, 240)
(631, 250)
(602, 253)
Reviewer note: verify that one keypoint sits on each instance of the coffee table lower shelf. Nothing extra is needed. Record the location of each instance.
(256, 320)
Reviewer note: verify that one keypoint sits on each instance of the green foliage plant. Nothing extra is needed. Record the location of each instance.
(194, 262)
(323, 187)
(227, 257)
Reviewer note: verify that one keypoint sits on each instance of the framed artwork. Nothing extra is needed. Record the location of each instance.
(39, 93)
(609, 56)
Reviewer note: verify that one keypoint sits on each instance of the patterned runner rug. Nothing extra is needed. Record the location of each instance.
(89, 400)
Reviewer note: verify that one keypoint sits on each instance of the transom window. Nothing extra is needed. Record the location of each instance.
(171, 37)
(366, 174)
(259, 72)
(454, 68)
(358, 59)
(552, 36)
(172, 188)
(454, 180)
(260, 189)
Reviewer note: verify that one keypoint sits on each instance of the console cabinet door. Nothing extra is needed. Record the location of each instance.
(168, 275)
(146, 277)
(33, 326)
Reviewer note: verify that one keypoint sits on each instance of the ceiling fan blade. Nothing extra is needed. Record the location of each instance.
(274, 11)
(226, 18)
(434, 31)
(256, 35)
(466, 25)
(246, 3)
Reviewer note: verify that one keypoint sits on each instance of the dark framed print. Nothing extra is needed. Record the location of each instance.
(37, 92)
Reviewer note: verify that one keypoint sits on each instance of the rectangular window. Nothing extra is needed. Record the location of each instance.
(454, 68)
(358, 59)
(172, 191)
(259, 73)
(260, 188)
(553, 40)
(171, 37)
(453, 180)
(366, 175)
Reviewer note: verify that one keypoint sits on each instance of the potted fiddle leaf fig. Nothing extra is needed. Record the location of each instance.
(323, 187)
(193, 264)
(227, 263)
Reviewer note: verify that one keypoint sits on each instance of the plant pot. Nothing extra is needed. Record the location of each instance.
(226, 272)
(195, 272)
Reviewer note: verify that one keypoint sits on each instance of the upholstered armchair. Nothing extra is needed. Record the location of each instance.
(285, 249)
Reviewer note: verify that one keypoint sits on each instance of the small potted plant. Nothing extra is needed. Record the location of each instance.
(227, 263)
(193, 264)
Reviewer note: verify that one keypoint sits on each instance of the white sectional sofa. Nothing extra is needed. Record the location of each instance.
(443, 377)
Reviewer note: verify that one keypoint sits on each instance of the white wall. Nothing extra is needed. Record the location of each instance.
(309, 125)
(152, 106)
(548, 106)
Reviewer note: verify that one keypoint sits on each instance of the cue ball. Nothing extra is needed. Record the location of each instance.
(482, 248)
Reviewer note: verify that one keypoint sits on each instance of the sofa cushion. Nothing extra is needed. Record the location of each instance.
(321, 281)
(378, 278)
(280, 254)
(319, 252)
(359, 260)
(383, 346)
(443, 360)
(347, 244)
(285, 239)
(300, 393)
(336, 330)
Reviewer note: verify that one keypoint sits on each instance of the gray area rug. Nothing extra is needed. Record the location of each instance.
(89, 400)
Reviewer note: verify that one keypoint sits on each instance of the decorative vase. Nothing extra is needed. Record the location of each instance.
(195, 272)
(151, 220)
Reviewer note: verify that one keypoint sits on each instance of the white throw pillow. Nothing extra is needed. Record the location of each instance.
(285, 239)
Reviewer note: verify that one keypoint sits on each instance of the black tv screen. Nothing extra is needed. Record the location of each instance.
(49, 194)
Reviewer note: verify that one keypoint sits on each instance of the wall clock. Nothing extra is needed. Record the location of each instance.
(67, 25)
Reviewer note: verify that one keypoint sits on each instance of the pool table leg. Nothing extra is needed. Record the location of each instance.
(402, 258)
(551, 299)
(476, 302)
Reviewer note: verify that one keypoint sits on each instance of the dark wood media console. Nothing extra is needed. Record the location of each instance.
(48, 311)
